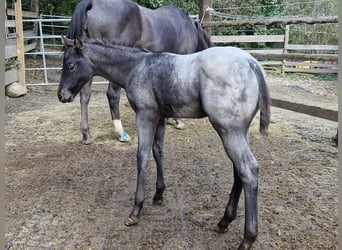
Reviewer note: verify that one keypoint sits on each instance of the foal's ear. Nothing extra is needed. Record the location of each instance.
(67, 42)
(78, 44)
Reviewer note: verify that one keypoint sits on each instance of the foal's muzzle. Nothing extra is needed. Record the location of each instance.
(65, 96)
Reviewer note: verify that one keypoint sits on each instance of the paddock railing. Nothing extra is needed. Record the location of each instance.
(299, 58)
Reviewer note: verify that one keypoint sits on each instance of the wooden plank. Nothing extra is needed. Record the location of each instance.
(10, 51)
(11, 76)
(9, 23)
(331, 115)
(271, 62)
(28, 14)
(311, 70)
(265, 51)
(30, 33)
(247, 39)
(312, 47)
(31, 46)
(20, 41)
(297, 56)
(312, 65)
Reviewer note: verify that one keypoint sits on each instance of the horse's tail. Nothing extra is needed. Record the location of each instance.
(264, 98)
(204, 41)
(78, 19)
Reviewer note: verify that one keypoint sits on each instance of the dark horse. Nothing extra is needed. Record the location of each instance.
(124, 22)
(225, 84)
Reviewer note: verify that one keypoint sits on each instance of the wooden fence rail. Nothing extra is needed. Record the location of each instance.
(318, 59)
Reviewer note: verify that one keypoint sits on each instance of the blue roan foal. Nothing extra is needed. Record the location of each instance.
(225, 84)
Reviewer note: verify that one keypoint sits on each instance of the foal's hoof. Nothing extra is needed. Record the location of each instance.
(124, 137)
(157, 202)
(220, 230)
(222, 227)
(131, 221)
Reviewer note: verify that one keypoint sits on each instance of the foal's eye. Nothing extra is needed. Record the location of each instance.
(71, 67)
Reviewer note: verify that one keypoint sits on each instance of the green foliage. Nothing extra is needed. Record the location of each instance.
(152, 4)
(192, 7)
(316, 33)
(11, 63)
(60, 7)
(299, 33)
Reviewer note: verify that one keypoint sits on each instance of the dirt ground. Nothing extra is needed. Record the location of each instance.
(61, 194)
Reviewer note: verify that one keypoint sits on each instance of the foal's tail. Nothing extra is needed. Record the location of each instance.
(78, 19)
(264, 98)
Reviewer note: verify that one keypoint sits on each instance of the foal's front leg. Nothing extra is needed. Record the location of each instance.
(113, 95)
(146, 128)
(84, 126)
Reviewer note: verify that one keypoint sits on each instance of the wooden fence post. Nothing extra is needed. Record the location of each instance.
(286, 42)
(206, 16)
(20, 41)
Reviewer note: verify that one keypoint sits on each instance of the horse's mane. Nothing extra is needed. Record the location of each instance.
(203, 37)
(78, 19)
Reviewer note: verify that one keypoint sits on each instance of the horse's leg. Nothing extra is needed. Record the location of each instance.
(84, 100)
(146, 128)
(158, 154)
(113, 95)
(246, 168)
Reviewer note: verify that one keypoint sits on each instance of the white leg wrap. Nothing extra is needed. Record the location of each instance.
(120, 132)
(117, 127)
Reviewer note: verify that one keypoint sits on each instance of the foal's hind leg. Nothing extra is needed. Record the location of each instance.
(246, 176)
(230, 213)
(113, 95)
(84, 100)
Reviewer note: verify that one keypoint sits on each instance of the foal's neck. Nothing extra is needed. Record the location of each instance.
(114, 62)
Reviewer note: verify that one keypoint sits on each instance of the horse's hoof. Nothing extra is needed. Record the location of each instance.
(171, 121)
(179, 125)
(132, 221)
(124, 137)
(87, 141)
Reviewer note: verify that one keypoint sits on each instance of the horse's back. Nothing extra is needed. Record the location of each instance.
(114, 22)
(170, 29)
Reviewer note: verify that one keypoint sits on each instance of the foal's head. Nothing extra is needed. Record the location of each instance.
(76, 72)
